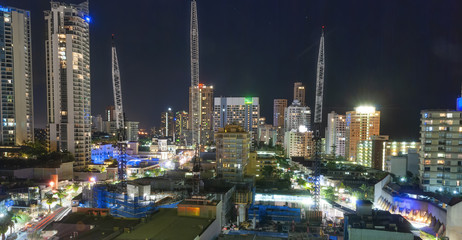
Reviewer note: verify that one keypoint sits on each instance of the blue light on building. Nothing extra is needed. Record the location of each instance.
(459, 104)
(4, 9)
(87, 19)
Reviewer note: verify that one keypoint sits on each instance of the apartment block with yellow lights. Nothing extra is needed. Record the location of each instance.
(361, 124)
(441, 151)
(233, 148)
(258, 162)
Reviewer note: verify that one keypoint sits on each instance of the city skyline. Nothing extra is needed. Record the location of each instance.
(396, 67)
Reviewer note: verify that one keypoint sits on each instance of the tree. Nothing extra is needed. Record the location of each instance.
(331, 165)
(329, 193)
(75, 187)
(61, 193)
(6, 222)
(367, 192)
(49, 199)
(268, 171)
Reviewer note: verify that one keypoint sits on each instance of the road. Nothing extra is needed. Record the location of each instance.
(56, 215)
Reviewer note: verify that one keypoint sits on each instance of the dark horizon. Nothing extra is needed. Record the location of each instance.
(400, 56)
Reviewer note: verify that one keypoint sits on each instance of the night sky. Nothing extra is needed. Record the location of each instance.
(400, 55)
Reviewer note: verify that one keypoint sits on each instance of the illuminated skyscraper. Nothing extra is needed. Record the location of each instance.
(243, 111)
(278, 112)
(361, 124)
(17, 112)
(68, 79)
(205, 95)
(299, 93)
(335, 134)
(233, 148)
(297, 115)
(181, 126)
(167, 126)
(441, 151)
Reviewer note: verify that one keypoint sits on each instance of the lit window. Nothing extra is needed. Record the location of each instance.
(440, 161)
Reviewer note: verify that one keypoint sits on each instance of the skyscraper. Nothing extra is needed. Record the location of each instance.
(167, 127)
(195, 108)
(205, 95)
(181, 126)
(278, 112)
(361, 124)
(335, 134)
(243, 111)
(16, 77)
(299, 93)
(232, 139)
(297, 115)
(68, 79)
(299, 143)
(441, 151)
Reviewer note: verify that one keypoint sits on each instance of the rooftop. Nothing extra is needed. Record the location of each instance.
(166, 225)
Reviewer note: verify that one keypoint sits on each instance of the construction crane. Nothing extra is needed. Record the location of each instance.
(119, 114)
(195, 113)
(318, 121)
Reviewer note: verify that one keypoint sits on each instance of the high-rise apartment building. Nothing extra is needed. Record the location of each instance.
(67, 47)
(233, 148)
(110, 113)
(441, 151)
(181, 126)
(335, 134)
(243, 111)
(167, 123)
(299, 143)
(205, 94)
(299, 93)
(361, 124)
(97, 123)
(297, 115)
(131, 129)
(279, 107)
(17, 112)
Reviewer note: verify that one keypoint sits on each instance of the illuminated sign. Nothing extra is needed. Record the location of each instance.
(248, 100)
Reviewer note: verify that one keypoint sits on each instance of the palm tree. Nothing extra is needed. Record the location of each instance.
(61, 193)
(49, 199)
(5, 223)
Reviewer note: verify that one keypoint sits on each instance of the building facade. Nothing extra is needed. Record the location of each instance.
(132, 129)
(17, 112)
(233, 148)
(299, 93)
(68, 79)
(361, 124)
(335, 134)
(205, 94)
(167, 123)
(243, 111)
(441, 151)
(181, 126)
(279, 107)
(297, 115)
(299, 144)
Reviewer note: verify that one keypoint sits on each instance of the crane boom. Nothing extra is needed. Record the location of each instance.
(117, 87)
(318, 121)
(119, 115)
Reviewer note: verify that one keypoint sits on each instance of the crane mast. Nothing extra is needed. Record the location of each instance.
(119, 114)
(318, 120)
(195, 113)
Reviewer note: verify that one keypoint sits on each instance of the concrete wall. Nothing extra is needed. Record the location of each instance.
(454, 221)
(379, 192)
(84, 176)
(64, 172)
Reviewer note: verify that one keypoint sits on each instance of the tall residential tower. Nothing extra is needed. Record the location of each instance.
(68, 79)
(16, 77)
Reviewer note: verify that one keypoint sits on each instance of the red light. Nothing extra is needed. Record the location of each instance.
(323, 27)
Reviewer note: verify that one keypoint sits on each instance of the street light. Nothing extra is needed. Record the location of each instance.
(52, 184)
